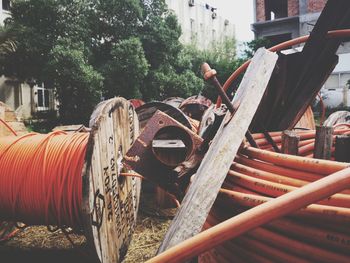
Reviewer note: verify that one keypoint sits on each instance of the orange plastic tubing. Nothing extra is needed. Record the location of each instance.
(256, 217)
(40, 178)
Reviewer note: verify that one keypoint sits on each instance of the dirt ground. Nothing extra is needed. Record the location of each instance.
(37, 244)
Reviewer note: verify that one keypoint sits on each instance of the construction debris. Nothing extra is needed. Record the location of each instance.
(257, 180)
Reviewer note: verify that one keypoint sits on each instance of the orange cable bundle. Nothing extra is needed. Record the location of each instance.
(41, 178)
(8, 127)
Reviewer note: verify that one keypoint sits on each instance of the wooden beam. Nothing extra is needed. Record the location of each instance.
(342, 148)
(290, 141)
(300, 76)
(206, 184)
(323, 142)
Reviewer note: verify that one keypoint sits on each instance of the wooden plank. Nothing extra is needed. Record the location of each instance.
(290, 141)
(301, 75)
(216, 163)
(342, 148)
(317, 61)
(323, 142)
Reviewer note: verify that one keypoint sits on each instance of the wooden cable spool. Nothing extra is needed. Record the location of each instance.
(109, 201)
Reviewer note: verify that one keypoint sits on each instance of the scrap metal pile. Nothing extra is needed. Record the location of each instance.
(254, 179)
(249, 172)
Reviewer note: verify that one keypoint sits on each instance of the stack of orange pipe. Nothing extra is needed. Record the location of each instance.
(317, 233)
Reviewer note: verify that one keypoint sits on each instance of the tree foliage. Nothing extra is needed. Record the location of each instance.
(77, 84)
(7, 44)
(126, 70)
(222, 57)
(254, 45)
(88, 49)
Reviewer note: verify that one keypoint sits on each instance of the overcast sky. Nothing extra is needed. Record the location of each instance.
(239, 12)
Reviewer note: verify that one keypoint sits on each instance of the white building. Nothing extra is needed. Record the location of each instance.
(201, 23)
(336, 89)
(4, 13)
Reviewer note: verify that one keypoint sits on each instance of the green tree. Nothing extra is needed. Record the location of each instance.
(131, 46)
(254, 45)
(126, 70)
(78, 86)
(7, 44)
(111, 21)
(170, 72)
(221, 57)
(37, 25)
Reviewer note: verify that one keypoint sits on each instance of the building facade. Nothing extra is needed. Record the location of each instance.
(4, 10)
(282, 20)
(201, 23)
(26, 99)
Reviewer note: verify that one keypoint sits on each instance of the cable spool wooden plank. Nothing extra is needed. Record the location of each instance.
(110, 202)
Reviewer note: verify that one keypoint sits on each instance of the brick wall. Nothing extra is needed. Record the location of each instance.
(260, 10)
(315, 6)
(293, 7)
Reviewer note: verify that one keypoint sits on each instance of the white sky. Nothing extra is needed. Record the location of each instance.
(239, 12)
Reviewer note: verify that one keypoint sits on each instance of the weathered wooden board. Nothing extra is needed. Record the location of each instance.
(323, 142)
(300, 76)
(216, 163)
(110, 201)
(342, 148)
(290, 142)
(317, 61)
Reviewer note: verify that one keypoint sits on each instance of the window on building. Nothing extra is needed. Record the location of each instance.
(332, 82)
(6, 4)
(337, 81)
(276, 9)
(214, 35)
(193, 29)
(42, 98)
(343, 79)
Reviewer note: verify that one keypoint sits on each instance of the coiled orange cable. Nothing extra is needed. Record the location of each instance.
(40, 178)
(8, 127)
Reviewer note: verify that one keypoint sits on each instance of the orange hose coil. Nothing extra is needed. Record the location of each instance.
(41, 178)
